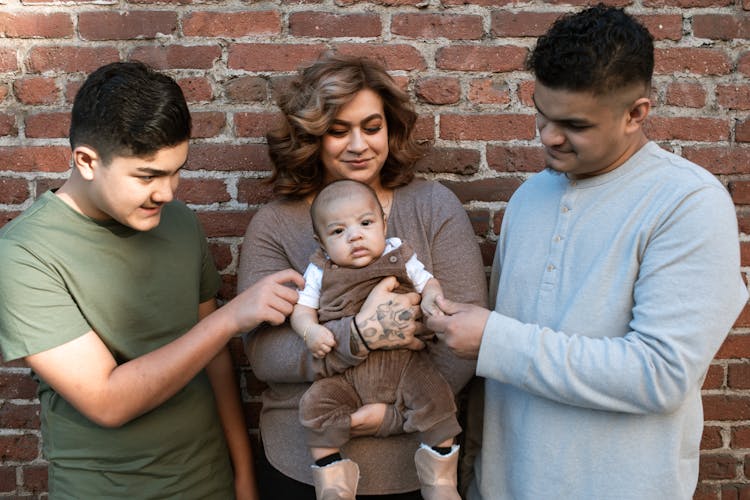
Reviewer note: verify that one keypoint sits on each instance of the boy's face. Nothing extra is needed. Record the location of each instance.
(584, 134)
(351, 230)
(132, 190)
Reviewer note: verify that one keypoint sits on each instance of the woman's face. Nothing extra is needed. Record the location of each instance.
(356, 145)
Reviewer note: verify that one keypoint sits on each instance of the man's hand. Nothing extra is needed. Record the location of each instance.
(388, 320)
(461, 328)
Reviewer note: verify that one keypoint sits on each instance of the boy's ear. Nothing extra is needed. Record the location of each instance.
(638, 112)
(86, 161)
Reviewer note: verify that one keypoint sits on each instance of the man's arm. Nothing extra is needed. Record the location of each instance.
(85, 373)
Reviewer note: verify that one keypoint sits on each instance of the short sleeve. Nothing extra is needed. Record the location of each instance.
(37, 312)
(310, 295)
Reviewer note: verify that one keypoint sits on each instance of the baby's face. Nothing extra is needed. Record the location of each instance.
(352, 230)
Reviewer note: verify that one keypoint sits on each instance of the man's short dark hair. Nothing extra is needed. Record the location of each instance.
(599, 49)
(128, 109)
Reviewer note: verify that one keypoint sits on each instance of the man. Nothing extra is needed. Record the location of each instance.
(108, 289)
(616, 280)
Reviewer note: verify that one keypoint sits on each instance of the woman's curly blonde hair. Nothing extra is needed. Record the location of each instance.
(309, 106)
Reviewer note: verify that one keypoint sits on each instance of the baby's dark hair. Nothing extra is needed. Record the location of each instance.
(600, 49)
(128, 109)
(336, 190)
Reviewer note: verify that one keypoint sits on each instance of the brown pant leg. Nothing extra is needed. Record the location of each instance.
(325, 410)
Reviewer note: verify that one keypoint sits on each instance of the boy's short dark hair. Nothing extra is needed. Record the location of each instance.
(128, 109)
(599, 49)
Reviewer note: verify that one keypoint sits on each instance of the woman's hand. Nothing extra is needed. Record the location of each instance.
(389, 320)
(367, 419)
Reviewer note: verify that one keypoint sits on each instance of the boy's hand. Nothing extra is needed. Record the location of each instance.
(269, 299)
(319, 340)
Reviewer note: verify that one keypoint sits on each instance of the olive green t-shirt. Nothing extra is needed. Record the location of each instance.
(64, 274)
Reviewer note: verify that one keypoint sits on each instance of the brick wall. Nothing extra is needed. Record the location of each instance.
(462, 61)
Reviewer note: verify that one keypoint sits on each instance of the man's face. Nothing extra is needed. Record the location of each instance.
(132, 190)
(351, 229)
(583, 134)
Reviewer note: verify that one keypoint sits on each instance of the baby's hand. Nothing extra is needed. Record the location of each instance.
(429, 305)
(319, 340)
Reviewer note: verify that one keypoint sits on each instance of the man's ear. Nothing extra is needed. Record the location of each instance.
(86, 161)
(637, 114)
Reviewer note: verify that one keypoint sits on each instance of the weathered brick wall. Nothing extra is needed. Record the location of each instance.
(462, 60)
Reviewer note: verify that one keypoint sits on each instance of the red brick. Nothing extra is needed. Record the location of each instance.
(700, 61)
(735, 346)
(8, 60)
(526, 93)
(663, 26)
(18, 448)
(720, 160)
(3, 92)
(482, 3)
(394, 57)
(255, 124)
(738, 375)
(497, 189)
(342, 3)
(329, 25)
(721, 26)
(224, 157)
(36, 25)
(735, 492)
(7, 479)
(19, 416)
(247, 89)
(740, 437)
(726, 407)
(711, 439)
(687, 4)
(48, 125)
(489, 91)
(521, 24)
(487, 249)
(515, 158)
(686, 95)
(740, 191)
(743, 63)
(36, 90)
(178, 56)
(225, 223)
(43, 185)
(8, 125)
(254, 191)
(208, 123)
(35, 478)
(718, 466)
(70, 59)
(662, 128)
(706, 492)
(13, 191)
(271, 56)
(228, 289)
(438, 90)
(489, 127)
(202, 191)
(714, 378)
(232, 24)
(430, 26)
(424, 129)
(498, 59)
(196, 89)
(127, 25)
(744, 253)
(497, 221)
(17, 386)
(480, 221)
(450, 160)
(742, 131)
(35, 158)
(733, 96)
(222, 254)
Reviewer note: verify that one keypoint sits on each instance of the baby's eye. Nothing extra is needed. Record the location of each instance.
(337, 231)
(366, 222)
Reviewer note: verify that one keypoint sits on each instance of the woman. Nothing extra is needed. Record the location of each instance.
(347, 119)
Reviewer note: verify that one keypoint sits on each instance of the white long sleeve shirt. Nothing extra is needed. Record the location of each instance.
(612, 294)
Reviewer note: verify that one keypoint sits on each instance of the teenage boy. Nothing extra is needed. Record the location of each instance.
(108, 289)
(616, 280)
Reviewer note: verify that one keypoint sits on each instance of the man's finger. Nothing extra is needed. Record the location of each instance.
(448, 306)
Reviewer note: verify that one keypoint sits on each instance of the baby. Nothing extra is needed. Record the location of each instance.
(354, 256)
